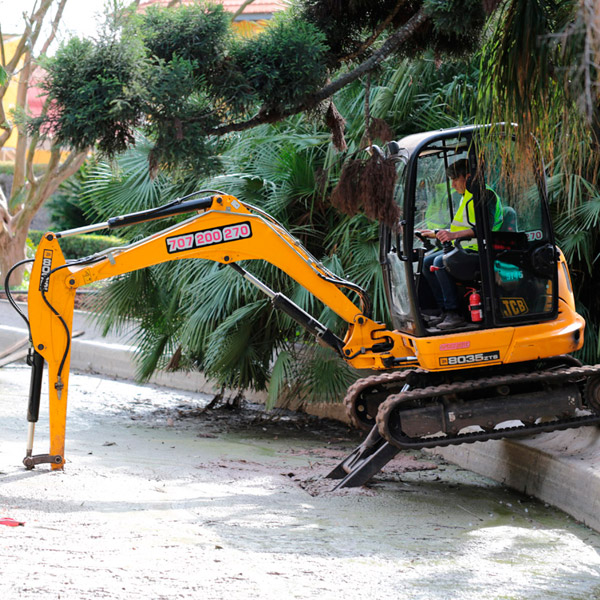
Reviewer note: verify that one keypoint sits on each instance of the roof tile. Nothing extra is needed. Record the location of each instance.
(256, 7)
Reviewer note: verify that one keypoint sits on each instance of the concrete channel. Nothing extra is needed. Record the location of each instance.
(157, 502)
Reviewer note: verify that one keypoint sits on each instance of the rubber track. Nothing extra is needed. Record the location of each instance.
(354, 391)
(573, 374)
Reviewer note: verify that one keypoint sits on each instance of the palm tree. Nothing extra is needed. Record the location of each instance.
(197, 315)
(540, 70)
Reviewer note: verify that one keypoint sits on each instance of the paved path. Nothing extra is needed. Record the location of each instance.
(159, 500)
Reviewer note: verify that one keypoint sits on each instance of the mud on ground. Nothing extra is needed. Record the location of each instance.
(161, 498)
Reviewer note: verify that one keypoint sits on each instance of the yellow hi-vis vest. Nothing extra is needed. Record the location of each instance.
(464, 217)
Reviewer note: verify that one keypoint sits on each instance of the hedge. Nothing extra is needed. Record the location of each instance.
(79, 246)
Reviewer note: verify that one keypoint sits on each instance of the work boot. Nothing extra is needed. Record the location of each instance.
(434, 319)
(452, 320)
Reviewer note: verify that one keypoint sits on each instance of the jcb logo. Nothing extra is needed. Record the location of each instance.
(512, 307)
(46, 268)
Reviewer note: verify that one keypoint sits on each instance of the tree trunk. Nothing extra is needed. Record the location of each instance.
(14, 226)
(12, 250)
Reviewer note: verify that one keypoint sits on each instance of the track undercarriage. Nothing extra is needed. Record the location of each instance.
(415, 409)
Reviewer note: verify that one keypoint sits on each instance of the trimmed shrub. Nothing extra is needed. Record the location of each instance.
(79, 246)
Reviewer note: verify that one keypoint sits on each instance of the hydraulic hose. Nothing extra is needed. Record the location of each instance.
(9, 293)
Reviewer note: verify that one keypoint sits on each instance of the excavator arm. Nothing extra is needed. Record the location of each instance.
(223, 230)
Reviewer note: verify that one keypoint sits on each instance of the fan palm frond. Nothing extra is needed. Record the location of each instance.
(221, 323)
(282, 373)
(324, 376)
(235, 356)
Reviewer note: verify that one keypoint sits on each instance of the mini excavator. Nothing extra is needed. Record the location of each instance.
(505, 371)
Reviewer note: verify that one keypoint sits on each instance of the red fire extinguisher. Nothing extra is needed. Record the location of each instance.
(475, 307)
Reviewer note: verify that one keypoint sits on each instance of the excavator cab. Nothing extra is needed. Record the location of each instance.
(506, 370)
(513, 271)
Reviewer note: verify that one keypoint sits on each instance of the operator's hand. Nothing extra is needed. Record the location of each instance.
(426, 233)
(445, 236)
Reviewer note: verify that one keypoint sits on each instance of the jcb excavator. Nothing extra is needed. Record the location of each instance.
(505, 371)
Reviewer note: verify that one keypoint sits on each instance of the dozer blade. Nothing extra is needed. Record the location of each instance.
(364, 462)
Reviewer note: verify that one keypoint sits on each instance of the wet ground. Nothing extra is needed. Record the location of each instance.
(161, 498)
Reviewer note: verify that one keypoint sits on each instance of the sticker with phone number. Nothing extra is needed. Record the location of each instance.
(208, 237)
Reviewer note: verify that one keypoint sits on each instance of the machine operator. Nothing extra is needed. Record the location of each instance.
(463, 227)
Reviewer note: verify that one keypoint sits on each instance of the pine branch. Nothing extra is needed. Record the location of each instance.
(241, 9)
(274, 115)
(370, 41)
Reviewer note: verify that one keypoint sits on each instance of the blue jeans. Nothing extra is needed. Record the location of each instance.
(443, 287)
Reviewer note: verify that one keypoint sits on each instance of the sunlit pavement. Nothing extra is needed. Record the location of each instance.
(152, 504)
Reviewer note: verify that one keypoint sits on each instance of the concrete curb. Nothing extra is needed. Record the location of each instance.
(112, 360)
(560, 468)
(113, 356)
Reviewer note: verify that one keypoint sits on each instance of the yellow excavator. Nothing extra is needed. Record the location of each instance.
(504, 370)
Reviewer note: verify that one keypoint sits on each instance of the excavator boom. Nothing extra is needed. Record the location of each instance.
(224, 230)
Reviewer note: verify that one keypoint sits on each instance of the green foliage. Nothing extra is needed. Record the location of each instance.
(217, 321)
(345, 23)
(157, 309)
(576, 214)
(67, 208)
(178, 123)
(97, 93)
(190, 83)
(180, 74)
(305, 373)
(196, 33)
(579, 74)
(65, 212)
(8, 167)
(463, 18)
(232, 357)
(536, 71)
(187, 47)
(284, 63)
(524, 76)
(125, 185)
(454, 28)
(519, 78)
(78, 246)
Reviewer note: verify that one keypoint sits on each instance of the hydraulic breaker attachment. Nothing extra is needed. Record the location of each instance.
(36, 361)
(364, 462)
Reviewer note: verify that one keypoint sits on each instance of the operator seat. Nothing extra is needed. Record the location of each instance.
(462, 265)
